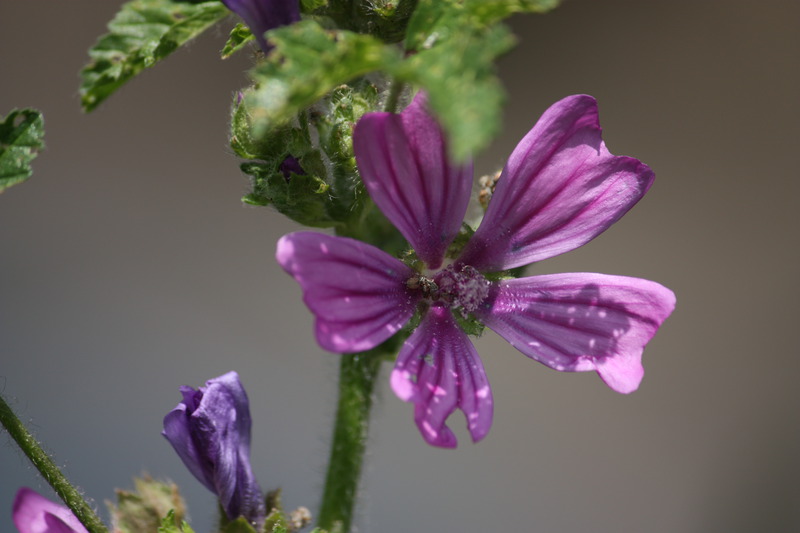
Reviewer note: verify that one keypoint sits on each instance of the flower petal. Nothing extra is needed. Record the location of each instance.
(577, 322)
(439, 370)
(210, 431)
(404, 165)
(33, 513)
(560, 188)
(357, 292)
(56, 525)
(263, 15)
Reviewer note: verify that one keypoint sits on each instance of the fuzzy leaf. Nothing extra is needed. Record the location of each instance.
(21, 135)
(306, 64)
(141, 34)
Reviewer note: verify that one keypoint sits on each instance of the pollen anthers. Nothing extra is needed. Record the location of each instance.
(457, 286)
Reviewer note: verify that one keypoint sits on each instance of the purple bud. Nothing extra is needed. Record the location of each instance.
(290, 166)
(33, 513)
(264, 15)
(210, 430)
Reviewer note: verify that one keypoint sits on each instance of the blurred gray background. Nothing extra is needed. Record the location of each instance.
(129, 267)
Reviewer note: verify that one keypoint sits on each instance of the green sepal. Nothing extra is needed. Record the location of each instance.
(468, 323)
(143, 509)
(276, 522)
(274, 144)
(459, 241)
(142, 33)
(335, 118)
(303, 198)
(238, 39)
(21, 134)
(305, 65)
(240, 525)
(170, 525)
(273, 500)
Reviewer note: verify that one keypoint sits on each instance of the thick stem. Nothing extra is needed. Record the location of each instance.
(356, 380)
(31, 447)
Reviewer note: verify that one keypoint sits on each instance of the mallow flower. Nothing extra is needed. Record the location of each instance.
(33, 513)
(263, 15)
(210, 430)
(560, 188)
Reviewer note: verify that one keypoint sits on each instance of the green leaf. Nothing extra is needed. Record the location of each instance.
(21, 135)
(170, 525)
(456, 44)
(306, 64)
(465, 94)
(433, 16)
(240, 36)
(141, 34)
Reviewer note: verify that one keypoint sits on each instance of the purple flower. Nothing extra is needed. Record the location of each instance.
(559, 189)
(210, 430)
(33, 513)
(263, 15)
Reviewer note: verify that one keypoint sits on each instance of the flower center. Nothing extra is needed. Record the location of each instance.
(456, 286)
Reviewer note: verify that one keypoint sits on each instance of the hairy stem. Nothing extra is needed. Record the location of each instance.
(356, 380)
(51, 473)
(394, 96)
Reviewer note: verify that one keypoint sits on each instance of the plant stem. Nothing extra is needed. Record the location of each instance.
(356, 380)
(394, 95)
(31, 447)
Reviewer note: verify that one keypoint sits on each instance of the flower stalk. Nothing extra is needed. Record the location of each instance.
(394, 96)
(356, 381)
(51, 473)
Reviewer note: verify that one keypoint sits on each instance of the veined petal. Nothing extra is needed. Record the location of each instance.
(560, 188)
(439, 370)
(33, 513)
(357, 292)
(263, 15)
(577, 322)
(404, 165)
(210, 431)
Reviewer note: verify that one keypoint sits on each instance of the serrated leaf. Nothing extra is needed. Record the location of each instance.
(238, 39)
(307, 63)
(141, 34)
(21, 134)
